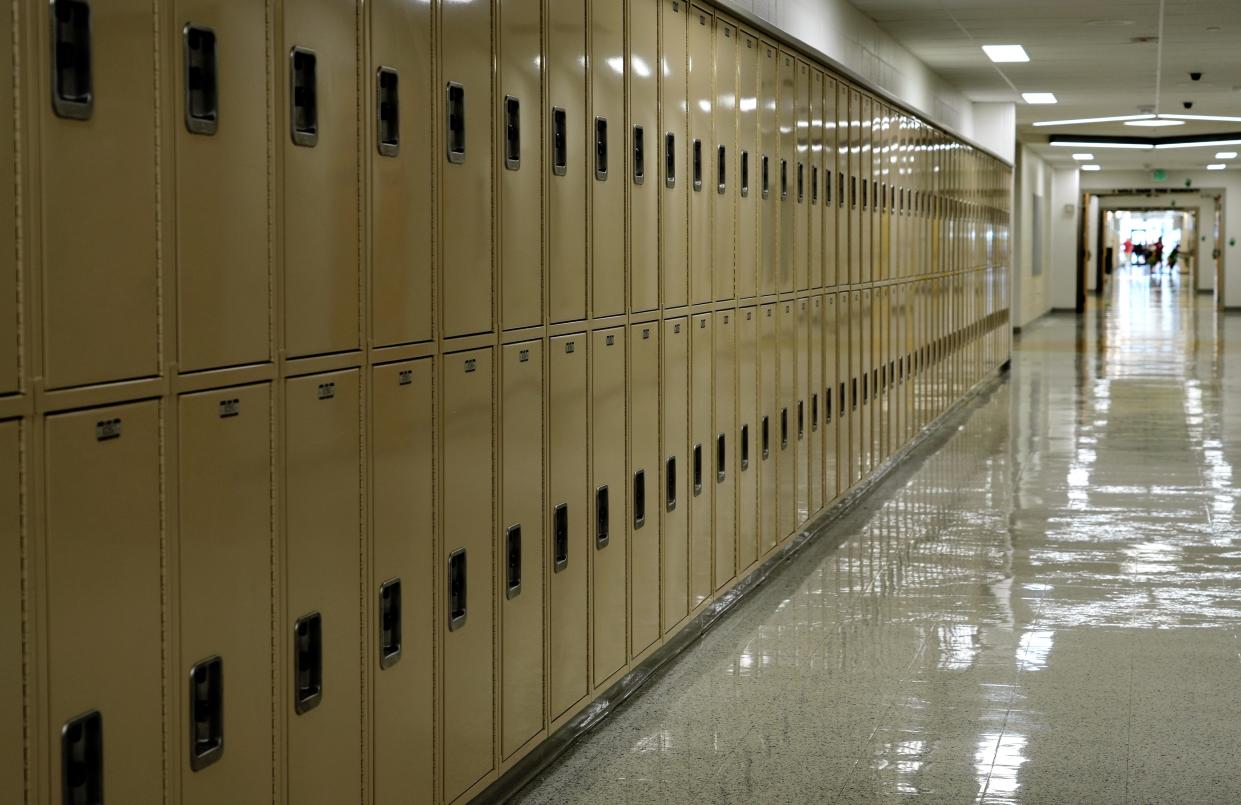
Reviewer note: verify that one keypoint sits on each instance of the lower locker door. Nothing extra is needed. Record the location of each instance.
(701, 476)
(11, 717)
(801, 410)
(609, 533)
(857, 447)
(815, 428)
(674, 474)
(785, 436)
(831, 436)
(723, 465)
(644, 488)
(748, 458)
(844, 418)
(768, 436)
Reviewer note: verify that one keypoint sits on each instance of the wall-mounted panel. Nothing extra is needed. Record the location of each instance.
(815, 426)
(702, 440)
(814, 182)
(784, 171)
(768, 444)
(785, 436)
(748, 158)
(799, 177)
(767, 169)
(673, 150)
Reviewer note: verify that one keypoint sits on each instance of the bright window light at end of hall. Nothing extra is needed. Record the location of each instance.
(1005, 53)
(1039, 97)
(1083, 157)
(1091, 168)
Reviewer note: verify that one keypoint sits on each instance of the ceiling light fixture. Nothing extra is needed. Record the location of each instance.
(1226, 155)
(1202, 144)
(1080, 120)
(1088, 157)
(1091, 168)
(1154, 123)
(1096, 144)
(1039, 97)
(1222, 118)
(1005, 53)
(1217, 166)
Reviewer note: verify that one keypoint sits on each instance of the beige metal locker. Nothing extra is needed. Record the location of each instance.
(520, 544)
(608, 162)
(799, 178)
(569, 176)
(645, 144)
(700, 171)
(747, 435)
(815, 429)
(883, 344)
(835, 237)
(402, 578)
(569, 507)
(701, 459)
(814, 182)
(768, 441)
(865, 190)
(800, 413)
(319, 70)
(748, 157)
(609, 534)
(673, 151)
(644, 489)
(830, 406)
(785, 170)
(103, 587)
(323, 581)
(466, 283)
(12, 718)
(520, 156)
(857, 446)
(722, 467)
(675, 475)
(98, 174)
(785, 435)
(223, 187)
(767, 172)
(10, 369)
(724, 162)
(853, 117)
(225, 545)
(866, 377)
(467, 522)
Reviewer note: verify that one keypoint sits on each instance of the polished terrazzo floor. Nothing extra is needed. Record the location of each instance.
(1045, 608)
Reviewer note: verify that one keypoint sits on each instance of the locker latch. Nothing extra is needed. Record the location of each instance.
(81, 760)
(456, 589)
(512, 133)
(721, 169)
(766, 437)
(696, 159)
(387, 111)
(670, 484)
(765, 178)
(697, 469)
(801, 182)
(639, 499)
(389, 623)
(454, 121)
(560, 537)
(602, 518)
(814, 184)
(601, 149)
(721, 459)
(72, 88)
(307, 662)
(745, 174)
(303, 97)
(814, 412)
(639, 155)
(206, 713)
(784, 179)
(784, 428)
(512, 561)
(670, 160)
(801, 419)
(560, 142)
(745, 447)
(201, 80)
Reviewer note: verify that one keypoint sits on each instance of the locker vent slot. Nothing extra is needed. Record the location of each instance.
(387, 112)
(560, 141)
(206, 713)
(697, 165)
(639, 155)
(745, 447)
(512, 133)
(670, 160)
(230, 408)
(603, 517)
(765, 178)
(721, 458)
(303, 97)
(784, 428)
(784, 179)
(389, 623)
(639, 499)
(307, 662)
(512, 561)
(456, 589)
(601, 149)
(201, 80)
(670, 484)
(766, 437)
(454, 121)
(721, 169)
(745, 174)
(72, 91)
(560, 537)
(697, 469)
(81, 760)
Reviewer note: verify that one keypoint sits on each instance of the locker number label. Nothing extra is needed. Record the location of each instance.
(327, 391)
(229, 408)
(106, 429)
(406, 377)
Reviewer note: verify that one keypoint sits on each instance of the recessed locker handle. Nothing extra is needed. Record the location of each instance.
(853, 192)
(696, 148)
(745, 174)
(457, 590)
(814, 412)
(73, 94)
(765, 169)
(840, 189)
(81, 760)
(842, 398)
(639, 499)
(389, 623)
(206, 717)
(801, 182)
(512, 561)
(670, 159)
(827, 186)
(766, 437)
(670, 484)
(814, 184)
(387, 112)
(853, 393)
(721, 458)
(865, 182)
(601, 149)
(560, 141)
(201, 80)
(603, 518)
(560, 537)
(801, 419)
(639, 155)
(784, 428)
(512, 133)
(784, 179)
(303, 97)
(721, 169)
(827, 405)
(698, 469)
(454, 121)
(745, 447)
(307, 662)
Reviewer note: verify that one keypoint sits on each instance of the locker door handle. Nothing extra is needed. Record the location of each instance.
(766, 438)
(827, 405)
(842, 398)
(801, 419)
(698, 469)
(457, 590)
(73, 94)
(697, 165)
(639, 499)
(840, 189)
(387, 111)
(784, 428)
(670, 160)
(81, 760)
(206, 716)
(454, 121)
(814, 412)
(639, 155)
(827, 187)
(765, 169)
(560, 537)
(603, 518)
(853, 192)
(853, 393)
(865, 193)
(307, 663)
(201, 80)
(512, 133)
(721, 169)
(670, 484)
(784, 180)
(512, 563)
(745, 447)
(814, 184)
(389, 623)
(303, 97)
(801, 182)
(601, 149)
(560, 142)
(721, 458)
(745, 174)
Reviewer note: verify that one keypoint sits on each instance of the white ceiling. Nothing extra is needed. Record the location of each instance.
(1084, 51)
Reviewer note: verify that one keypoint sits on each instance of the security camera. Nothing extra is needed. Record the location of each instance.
(1188, 104)
(1195, 76)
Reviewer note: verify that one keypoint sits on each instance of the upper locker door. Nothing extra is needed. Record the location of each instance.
(644, 488)
(748, 195)
(645, 147)
(466, 283)
(701, 100)
(519, 172)
(814, 182)
(801, 414)
(814, 384)
(401, 154)
(10, 378)
(768, 167)
(98, 171)
(799, 167)
(225, 548)
(567, 181)
(723, 464)
(768, 444)
(674, 497)
(786, 419)
(866, 273)
(853, 115)
(831, 236)
(223, 187)
(609, 532)
(520, 542)
(785, 170)
(724, 162)
(103, 592)
(702, 440)
(673, 150)
(748, 438)
(608, 161)
(402, 581)
(12, 719)
(320, 222)
(467, 523)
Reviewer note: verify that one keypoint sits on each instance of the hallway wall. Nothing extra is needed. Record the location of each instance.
(1066, 215)
(1032, 188)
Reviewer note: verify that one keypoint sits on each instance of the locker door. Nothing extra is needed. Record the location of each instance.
(321, 179)
(814, 182)
(767, 173)
(568, 179)
(673, 150)
(867, 378)
(724, 162)
(100, 283)
(608, 162)
(645, 147)
(468, 519)
(675, 475)
(830, 406)
(702, 442)
(102, 473)
(800, 414)
(222, 189)
(814, 403)
(748, 157)
(520, 542)
(839, 190)
(402, 446)
(466, 284)
(785, 435)
(609, 504)
(10, 379)
(723, 452)
(853, 117)
(569, 508)
(768, 442)
(785, 170)
(225, 548)
(882, 221)
(700, 154)
(857, 447)
(799, 175)
(322, 532)
(883, 340)
(748, 438)
(865, 190)
(519, 140)
(12, 721)
(830, 181)
(644, 488)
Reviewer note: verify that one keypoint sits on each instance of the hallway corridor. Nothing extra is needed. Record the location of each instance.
(1044, 605)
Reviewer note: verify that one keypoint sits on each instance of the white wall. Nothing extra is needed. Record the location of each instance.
(1031, 289)
(995, 125)
(1065, 219)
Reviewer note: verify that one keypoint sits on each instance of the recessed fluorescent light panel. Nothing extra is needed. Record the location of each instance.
(1218, 166)
(1005, 53)
(1084, 157)
(1080, 120)
(1222, 118)
(1092, 144)
(1091, 168)
(1226, 155)
(1155, 123)
(1039, 97)
(1203, 144)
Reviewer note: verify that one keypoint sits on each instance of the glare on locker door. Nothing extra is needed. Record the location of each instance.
(467, 523)
(815, 428)
(814, 182)
(323, 535)
(799, 174)
(519, 182)
(520, 544)
(402, 580)
(785, 436)
(320, 220)
(225, 546)
(568, 508)
(723, 158)
(644, 489)
(102, 511)
(701, 477)
(607, 162)
(832, 232)
(609, 535)
(568, 178)
(767, 445)
(747, 430)
(223, 188)
(799, 415)
(675, 478)
(645, 149)
(10, 380)
(722, 471)
(748, 156)
(700, 170)
(785, 169)
(99, 236)
(12, 721)
(673, 156)
(767, 168)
